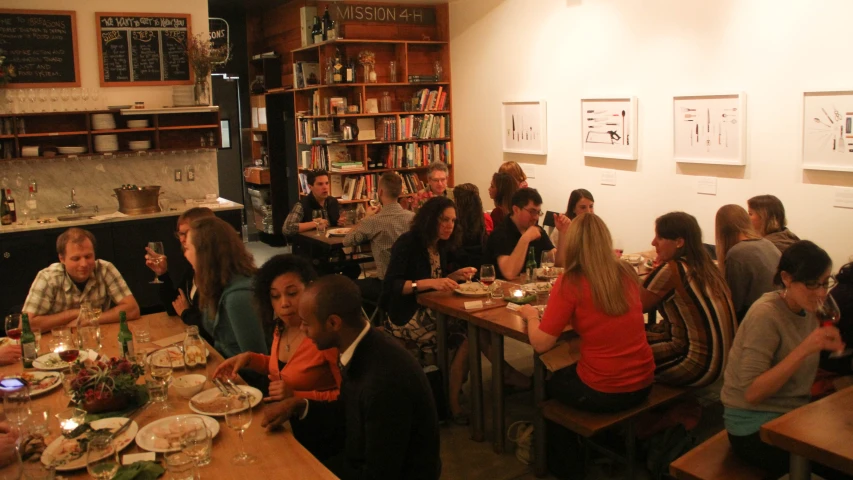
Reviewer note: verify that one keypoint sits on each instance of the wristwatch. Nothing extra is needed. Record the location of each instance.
(414, 288)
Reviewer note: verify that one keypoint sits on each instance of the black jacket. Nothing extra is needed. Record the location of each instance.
(409, 261)
(168, 294)
(309, 204)
(387, 406)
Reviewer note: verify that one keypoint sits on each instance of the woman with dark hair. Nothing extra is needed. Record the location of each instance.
(774, 358)
(419, 263)
(768, 219)
(692, 342)
(501, 190)
(748, 262)
(843, 296)
(470, 219)
(580, 201)
(223, 270)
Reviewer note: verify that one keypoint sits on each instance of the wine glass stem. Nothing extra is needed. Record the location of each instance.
(242, 445)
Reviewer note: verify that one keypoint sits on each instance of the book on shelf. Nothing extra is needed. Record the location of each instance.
(338, 154)
(325, 128)
(426, 100)
(366, 129)
(306, 74)
(423, 78)
(424, 126)
(343, 167)
(303, 184)
(371, 105)
(410, 155)
(306, 24)
(386, 129)
(260, 56)
(336, 186)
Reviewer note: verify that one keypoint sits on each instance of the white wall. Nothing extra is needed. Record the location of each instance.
(87, 47)
(565, 50)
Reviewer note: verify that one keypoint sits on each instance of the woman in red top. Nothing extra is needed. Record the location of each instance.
(599, 298)
(295, 368)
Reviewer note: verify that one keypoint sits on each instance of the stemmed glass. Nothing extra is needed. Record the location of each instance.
(84, 95)
(32, 97)
(64, 94)
(54, 98)
(102, 458)
(160, 368)
(22, 100)
(196, 441)
(95, 93)
(239, 417)
(317, 215)
(828, 314)
(13, 327)
(547, 262)
(43, 99)
(75, 96)
(487, 278)
(16, 405)
(157, 248)
(10, 101)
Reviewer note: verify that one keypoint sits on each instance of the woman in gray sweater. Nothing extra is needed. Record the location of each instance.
(774, 358)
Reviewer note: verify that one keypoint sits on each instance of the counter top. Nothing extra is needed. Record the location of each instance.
(220, 204)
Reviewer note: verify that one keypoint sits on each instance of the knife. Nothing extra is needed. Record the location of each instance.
(708, 113)
(129, 420)
(513, 127)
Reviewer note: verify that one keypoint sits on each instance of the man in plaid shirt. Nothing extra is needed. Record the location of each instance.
(58, 290)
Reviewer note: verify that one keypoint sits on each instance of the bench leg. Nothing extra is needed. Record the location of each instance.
(630, 448)
(498, 419)
(476, 379)
(441, 347)
(800, 468)
(540, 467)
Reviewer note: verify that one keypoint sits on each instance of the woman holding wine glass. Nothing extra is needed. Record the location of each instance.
(774, 357)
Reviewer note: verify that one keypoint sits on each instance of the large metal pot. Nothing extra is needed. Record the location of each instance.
(138, 202)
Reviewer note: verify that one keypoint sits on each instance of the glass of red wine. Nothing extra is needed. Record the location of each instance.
(68, 355)
(487, 278)
(828, 314)
(13, 326)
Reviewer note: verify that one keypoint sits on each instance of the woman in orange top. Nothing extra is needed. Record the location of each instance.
(296, 368)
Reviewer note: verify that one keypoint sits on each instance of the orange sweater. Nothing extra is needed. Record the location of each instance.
(310, 373)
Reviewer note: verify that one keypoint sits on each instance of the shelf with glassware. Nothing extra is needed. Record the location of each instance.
(105, 132)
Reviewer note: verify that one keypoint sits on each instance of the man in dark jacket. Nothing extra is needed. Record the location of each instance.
(386, 404)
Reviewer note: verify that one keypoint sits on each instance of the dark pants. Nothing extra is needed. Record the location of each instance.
(567, 387)
(752, 450)
(370, 287)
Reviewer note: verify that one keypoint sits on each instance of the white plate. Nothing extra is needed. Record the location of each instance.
(212, 393)
(114, 423)
(70, 150)
(146, 437)
(177, 356)
(34, 377)
(40, 363)
(339, 232)
(480, 292)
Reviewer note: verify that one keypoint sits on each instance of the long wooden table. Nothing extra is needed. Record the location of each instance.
(274, 451)
(821, 431)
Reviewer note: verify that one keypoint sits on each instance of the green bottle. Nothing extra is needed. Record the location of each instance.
(125, 338)
(530, 266)
(29, 350)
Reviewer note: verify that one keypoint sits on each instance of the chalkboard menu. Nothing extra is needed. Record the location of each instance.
(42, 46)
(143, 49)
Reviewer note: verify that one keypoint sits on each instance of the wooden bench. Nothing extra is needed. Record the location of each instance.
(588, 424)
(714, 459)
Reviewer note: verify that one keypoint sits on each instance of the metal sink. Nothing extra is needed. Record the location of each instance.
(74, 218)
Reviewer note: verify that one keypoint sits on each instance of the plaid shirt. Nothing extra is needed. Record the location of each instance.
(294, 218)
(381, 230)
(53, 291)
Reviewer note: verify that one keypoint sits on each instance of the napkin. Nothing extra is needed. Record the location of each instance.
(108, 216)
(165, 342)
(139, 471)
(561, 356)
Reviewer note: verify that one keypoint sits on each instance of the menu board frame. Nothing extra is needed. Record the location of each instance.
(73, 15)
(129, 29)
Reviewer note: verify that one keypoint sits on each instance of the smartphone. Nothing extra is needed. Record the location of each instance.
(12, 383)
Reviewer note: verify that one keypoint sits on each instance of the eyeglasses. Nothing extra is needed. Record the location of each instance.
(181, 235)
(828, 284)
(535, 213)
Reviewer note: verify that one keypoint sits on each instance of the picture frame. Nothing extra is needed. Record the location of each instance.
(709, 129)
(608, 127)
(827, 131)
(524, 127)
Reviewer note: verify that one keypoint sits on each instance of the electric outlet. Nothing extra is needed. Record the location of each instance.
(191, 174)
(178, 174)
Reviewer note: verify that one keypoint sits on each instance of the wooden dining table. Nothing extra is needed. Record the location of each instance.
(276, 451)
(821, 432)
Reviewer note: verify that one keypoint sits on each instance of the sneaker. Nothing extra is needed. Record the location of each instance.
(521, 433)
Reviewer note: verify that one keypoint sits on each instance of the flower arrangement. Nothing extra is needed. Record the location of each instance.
(202, 56)
(367, 59)
(7, 72)
(107, 384)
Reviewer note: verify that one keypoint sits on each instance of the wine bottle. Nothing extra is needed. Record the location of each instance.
(317, 30)
(350, 76)
(29, 349)
(338, 68)
(327, 20)
(530, 266)
(125, 337)
(10, 206)
(5, 218)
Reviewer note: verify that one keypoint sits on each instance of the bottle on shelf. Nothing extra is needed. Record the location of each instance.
(350, 72)
(29, 349)
(317, 30)
(332, 31)
(329, 70)
(360, 212)
(125, 337)
(327, 20)
(530, 266)
(5, 217)
(10, 206)
(338, 67)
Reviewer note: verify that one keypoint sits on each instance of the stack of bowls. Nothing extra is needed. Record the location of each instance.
(103, 121)
(32, 151)
(106, 143)
(139, 144)
(142, 123)
(70, 150)
(183, 96)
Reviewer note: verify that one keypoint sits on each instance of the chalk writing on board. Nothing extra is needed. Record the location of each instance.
(39, 45)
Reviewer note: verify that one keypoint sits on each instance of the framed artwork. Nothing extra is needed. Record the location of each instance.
(524, 127)
(710, 129)
(828, 131)
(609, 127)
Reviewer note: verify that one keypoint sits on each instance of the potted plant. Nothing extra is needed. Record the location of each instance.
(368, 60)
(202, 56)
(105, 386)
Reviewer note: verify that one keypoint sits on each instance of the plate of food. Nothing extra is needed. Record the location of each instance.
(70, 453)
(472, 289)
(40, 382)
(212, 402)
(339, 232)
(538, 287)
(50, 362)
(164, 435)
(633, 258)
(177, 356)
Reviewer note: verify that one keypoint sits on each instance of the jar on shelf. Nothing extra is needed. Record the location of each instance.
(385, 102)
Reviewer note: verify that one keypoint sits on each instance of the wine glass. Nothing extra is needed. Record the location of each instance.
(547, 262)
(54, 98)
(10, 101)
(43, 99)
(95, 93)
(239, 417)
(317, 215)
(829, 314)
(31, 95)
(196, 441)
(13, 326)
(22, 100)
(84, 95)
(157, 248)
(64, 94)
(75, 97)
(102, 458)
(17, 405)
(487, 278)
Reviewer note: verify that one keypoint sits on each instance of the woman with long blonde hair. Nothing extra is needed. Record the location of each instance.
(599, 296)
(747, 261)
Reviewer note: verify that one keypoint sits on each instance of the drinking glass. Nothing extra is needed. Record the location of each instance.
(160, 369)
(828, 314)
(547, 262)
(102, 458)
(437, 68)
(17, 405)
(43, 99)
(317, 215)
(22, 100)
(31, 95)
(141, 331)
(392, 72)
(497, 291)
(64, 94)
(13, 326)
(39, 417)
(157, 248)
(239, 418)
(95, 93)
(84, 95)
(196, 441)
(15, 468)
(75, 97)
(37, 334)
(487, 278)
(10, 101)
(180, 466)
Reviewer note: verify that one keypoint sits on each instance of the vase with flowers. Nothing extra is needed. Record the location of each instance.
(105, 386)
(202, 56)
(367, 59)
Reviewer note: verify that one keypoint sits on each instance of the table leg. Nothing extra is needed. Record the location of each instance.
(441, 347)
(476, 385)
(498, 418)
(540, 467)
(800, 468)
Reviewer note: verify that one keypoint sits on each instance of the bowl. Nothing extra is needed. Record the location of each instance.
(188, 386)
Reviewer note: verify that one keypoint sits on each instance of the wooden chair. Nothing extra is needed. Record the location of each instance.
(714, 459)
(588, 424)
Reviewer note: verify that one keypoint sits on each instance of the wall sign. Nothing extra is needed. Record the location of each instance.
(220, 38)
(42, 45)
(143, 49)
(352, 12)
